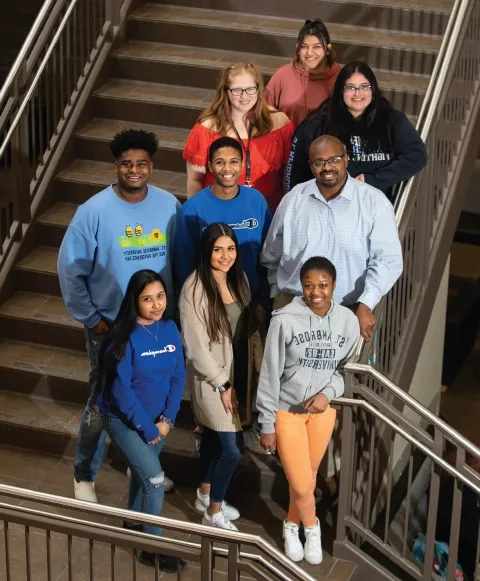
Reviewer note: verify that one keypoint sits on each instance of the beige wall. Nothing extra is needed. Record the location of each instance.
(427, 379)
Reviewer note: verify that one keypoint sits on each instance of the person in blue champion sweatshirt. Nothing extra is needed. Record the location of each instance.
(128, 226)
(142, 374)
(244, 209)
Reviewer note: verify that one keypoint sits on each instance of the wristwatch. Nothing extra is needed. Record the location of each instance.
(225, 387)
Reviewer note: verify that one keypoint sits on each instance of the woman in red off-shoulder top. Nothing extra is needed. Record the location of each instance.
(239, 110)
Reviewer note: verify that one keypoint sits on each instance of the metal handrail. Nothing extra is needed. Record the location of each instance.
(222, 535)
(429, 106)
(416, 405)
(27, 45)
(34, 83)
(396, 428)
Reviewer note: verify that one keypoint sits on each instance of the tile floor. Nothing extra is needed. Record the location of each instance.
(50, 474)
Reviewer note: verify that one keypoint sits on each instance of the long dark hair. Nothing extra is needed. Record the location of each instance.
(372, 126)
(113, 348)
(216, 319)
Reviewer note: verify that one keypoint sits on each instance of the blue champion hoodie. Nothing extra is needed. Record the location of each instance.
(150, 379)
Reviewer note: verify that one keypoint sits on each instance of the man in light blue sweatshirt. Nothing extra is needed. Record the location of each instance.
(126, 227)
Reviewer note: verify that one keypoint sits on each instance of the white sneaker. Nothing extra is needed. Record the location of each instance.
(292, 543)
(202, 502)
(251, 439)
(84, 491)
(218, 520)
(169, 484)
(313, 544)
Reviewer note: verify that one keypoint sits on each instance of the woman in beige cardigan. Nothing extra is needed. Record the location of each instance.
(216, 314)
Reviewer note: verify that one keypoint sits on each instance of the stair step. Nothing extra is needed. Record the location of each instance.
(200, 67)
(382, 48)
(287, 27)
(46, 426)
(219, 59)
(37, 272)
(344, 11)
(85, 178)
(43, 317)
(92, 141)
(168, 105)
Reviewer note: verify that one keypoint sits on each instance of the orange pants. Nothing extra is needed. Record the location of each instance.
(302, 440)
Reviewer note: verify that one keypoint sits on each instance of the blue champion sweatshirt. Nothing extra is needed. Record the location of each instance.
(107, 241)
(150, 379)
(248, 214)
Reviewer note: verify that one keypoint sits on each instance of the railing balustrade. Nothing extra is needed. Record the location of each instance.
(445, 123)
(42, 95)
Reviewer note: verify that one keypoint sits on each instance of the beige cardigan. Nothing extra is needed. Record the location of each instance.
(209, 365)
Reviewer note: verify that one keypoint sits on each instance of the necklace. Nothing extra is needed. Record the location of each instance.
(154, 336)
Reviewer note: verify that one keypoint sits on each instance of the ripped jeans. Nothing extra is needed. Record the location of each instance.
(147, 481)
(91, 437)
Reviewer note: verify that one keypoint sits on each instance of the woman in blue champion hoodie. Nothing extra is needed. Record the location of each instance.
(142, 371)
(307, 342)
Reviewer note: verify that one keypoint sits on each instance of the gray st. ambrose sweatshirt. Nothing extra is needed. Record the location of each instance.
(302, 355)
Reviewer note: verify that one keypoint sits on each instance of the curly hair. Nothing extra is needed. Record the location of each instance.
(137, 139)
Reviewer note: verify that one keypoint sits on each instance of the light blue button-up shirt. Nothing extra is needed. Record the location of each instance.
(356, 231)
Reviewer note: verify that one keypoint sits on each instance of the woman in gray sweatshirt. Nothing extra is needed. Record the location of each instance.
(307, 342)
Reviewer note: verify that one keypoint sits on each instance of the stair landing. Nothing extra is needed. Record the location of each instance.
(53, 475)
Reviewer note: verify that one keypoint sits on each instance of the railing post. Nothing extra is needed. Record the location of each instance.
(346, 462)
(112, 11)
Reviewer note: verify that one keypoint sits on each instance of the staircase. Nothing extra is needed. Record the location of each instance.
(162, 87)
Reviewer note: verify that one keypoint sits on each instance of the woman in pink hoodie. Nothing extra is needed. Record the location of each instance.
(298, 88)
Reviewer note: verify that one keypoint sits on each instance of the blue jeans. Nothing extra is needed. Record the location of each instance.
(147, 481)
(220, 453)
(91, 437)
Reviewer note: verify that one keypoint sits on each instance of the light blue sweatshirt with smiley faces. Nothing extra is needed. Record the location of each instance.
(303, 353)
(106, 242)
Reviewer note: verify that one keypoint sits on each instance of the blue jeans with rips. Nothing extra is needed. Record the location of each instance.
(91, 437)
(147, 480)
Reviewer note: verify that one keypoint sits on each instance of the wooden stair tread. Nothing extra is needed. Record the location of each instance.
(38, 307)
(141, 91)
(44, 359)
(219, 59)
(105, 129)
(286, 27)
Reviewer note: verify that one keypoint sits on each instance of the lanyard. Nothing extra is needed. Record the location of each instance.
(246, 149)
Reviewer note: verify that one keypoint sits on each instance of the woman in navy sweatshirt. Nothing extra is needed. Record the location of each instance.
(383, 147)
(143, 376)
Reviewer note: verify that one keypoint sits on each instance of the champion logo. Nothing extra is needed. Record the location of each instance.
(166, 349)
(247, 224)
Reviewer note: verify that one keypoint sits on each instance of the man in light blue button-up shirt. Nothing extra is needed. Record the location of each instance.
(343, 219)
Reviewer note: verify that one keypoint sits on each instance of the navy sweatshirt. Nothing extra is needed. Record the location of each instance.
(248, 214)
(400, 155)
(150, 379)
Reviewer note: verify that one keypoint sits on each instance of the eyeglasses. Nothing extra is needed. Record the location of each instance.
(351, 89)
(237, 92)
(321, 163)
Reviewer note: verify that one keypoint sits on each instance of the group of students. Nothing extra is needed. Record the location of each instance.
(133, 261)
(310, 97)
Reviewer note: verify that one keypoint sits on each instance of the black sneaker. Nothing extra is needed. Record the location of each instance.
(165, 562)
(132, 526)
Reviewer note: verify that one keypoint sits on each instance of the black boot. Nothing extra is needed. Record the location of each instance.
(165, 562)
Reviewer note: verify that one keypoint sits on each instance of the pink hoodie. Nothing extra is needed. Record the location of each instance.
(297, 92)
